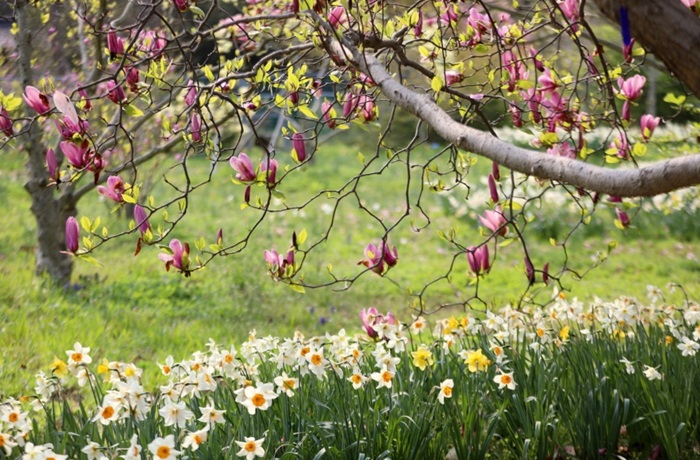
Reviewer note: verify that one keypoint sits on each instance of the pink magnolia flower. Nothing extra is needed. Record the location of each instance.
(177, 257)
(113, 190)
(52, 165)
(72, 235)
(620, 146)
(623, 217)
(243, 167)
(515, 68)
(299, 153)
(78, 155)
(152, 44)
(631, 88)
(271, 165)
(196, 127)
(280, 265)
(367, 108)
(115, 44)
(191, 94)
(418, 27)
(452, 77)
(534, 100)
(5, 122)
(373, 259)
(478, 259)
(449, 14)
(371, 317)
(68, 128)
(337, 17)
(391, 256)
(495, 170)
(141, 219)
(350, 104)
(294, 97)
(517, 115)
(328, 114)
(529, 270)
(132, 78)
(562, 149)
(494, 221)
(36, 100)
(84, 96)
(377, 256)
(648, 124)
(570, 8)
(547, 82)
(493, 191)
(545, 273)
(479, 22)
(115, 92)
(366, 80)
(182, 5)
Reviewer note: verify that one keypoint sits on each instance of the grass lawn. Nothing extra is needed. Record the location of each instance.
(130, 309)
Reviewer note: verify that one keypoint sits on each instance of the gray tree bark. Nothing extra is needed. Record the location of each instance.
(668, 29)
(49, 209)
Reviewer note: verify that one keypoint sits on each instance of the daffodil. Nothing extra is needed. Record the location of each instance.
(251, 448)
(383, 378)
(176, 414)
(59, 368)
(476, 361)
(133, 452)
(256, 398)
(422, 358)
(164, 448)
(688, 347)
(445, 390)
(357, 379)
(286, 384)
(505, 380)
(652, 374)
(194, 439)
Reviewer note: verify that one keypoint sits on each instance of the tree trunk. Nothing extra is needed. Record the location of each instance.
(668, 29)
(50, 210)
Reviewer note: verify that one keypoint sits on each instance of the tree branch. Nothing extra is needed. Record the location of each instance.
(656, 179)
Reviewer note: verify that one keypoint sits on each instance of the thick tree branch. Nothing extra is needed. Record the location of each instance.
(656, 179)
(666, 28)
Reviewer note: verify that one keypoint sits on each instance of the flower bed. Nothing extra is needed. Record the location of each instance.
(565, 381)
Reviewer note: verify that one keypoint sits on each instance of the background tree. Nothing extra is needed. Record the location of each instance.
(139, 79)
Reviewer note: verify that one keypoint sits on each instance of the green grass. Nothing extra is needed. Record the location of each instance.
(131, 309)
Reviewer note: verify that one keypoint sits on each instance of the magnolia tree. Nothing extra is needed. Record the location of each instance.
(138, 81)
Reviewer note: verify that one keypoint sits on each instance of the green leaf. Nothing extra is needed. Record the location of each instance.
(128, 198)
(673, 99)
(639, 149)
(208, 73)
(95, 224)
(197, 11)
(436, 84)
(307, 111)
(506, 242)
(297, 288)
(90, 260)
(133, 111)
(301, 237)
(85, 223)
